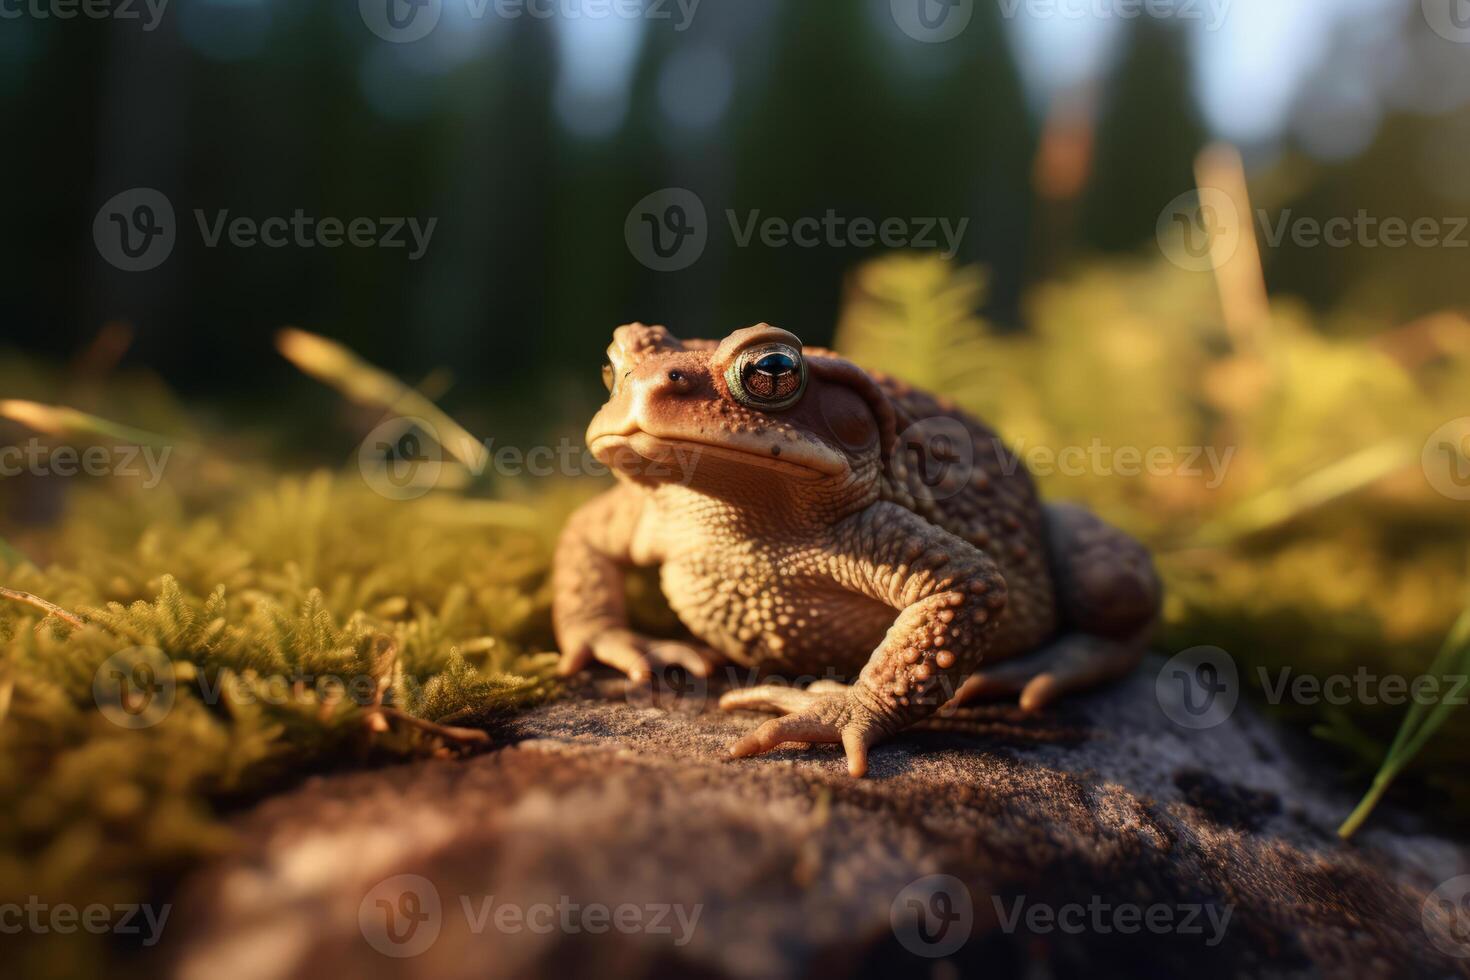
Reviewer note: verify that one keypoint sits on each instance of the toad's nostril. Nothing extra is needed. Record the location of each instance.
(675, 377)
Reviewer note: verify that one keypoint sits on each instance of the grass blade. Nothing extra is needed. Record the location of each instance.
(60, 421)
(1418, 726)
(338, 367)
(1280, 504)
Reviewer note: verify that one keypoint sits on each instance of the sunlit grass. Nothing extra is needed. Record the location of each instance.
(1449, 668)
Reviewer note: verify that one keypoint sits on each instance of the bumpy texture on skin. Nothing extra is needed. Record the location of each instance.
(869, 532)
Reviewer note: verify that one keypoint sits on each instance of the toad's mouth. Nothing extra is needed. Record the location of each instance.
(634, 451)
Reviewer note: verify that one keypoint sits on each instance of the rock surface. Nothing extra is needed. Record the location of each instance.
(613, 839)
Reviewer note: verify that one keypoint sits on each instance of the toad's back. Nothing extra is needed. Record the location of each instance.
(954, 471)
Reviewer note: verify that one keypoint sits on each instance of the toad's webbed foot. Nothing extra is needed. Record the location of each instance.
(639, 656)
(824, 712)
(1070, 663)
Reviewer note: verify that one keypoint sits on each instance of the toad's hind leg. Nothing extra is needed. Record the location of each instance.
(1107, 600)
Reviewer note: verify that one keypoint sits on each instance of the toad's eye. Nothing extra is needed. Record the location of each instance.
(769, 377)
(607, 375)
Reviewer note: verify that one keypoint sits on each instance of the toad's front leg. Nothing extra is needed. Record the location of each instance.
(950, 596)
(604, 537)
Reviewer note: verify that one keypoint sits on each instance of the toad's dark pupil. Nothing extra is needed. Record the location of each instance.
(775, 364)
(774, 377)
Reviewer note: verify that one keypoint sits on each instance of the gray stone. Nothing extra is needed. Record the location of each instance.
(1099, 839)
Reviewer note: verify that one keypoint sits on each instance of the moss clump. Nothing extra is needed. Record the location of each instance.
(302, 625)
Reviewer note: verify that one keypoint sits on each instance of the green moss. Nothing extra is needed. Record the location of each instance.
(273, 628)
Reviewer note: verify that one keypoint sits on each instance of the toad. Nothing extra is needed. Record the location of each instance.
(813, 519)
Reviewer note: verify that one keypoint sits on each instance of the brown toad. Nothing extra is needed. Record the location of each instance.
(810, 518)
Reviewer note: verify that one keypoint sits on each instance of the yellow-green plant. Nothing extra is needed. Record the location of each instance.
(1449, 669)
(303, 625)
